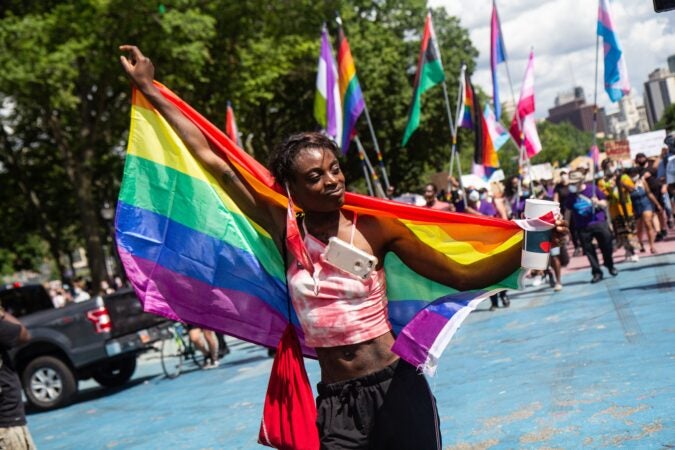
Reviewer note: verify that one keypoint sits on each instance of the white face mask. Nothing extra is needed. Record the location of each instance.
(573, 188)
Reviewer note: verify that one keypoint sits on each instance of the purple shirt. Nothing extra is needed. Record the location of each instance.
(582, 209)
(487, 208)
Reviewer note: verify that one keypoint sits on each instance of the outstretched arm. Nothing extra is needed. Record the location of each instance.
(141, 72)
(436, 266)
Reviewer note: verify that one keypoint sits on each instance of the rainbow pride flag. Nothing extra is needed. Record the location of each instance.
(192, 255)
(353, 102)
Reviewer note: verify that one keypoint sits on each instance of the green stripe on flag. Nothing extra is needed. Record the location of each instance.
(194, 204)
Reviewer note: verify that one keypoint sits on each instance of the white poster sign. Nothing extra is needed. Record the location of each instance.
(648, 143)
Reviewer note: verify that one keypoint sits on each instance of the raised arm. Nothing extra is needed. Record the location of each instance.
(141, 72)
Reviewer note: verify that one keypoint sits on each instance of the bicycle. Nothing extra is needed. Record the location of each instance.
(177, 349)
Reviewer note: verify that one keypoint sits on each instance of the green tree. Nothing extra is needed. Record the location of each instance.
(65, 100)
(561, 143)
(667, 121)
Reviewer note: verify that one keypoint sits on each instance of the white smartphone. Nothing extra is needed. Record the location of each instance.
(345, 256)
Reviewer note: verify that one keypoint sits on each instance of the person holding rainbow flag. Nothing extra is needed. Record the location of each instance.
(368, 396)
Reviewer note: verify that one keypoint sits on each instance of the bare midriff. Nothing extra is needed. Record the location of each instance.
(356, 360)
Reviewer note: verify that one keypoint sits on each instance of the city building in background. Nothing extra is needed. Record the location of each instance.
(659, 93)
(671, 63)
(571, 107)
(630, 119)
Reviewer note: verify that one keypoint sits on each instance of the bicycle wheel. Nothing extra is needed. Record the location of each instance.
(173, 352)
(195, 355)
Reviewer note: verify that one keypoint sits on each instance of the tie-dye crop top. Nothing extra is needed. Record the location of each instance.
(346, 310)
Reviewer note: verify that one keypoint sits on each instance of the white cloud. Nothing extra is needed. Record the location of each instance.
(563, 35)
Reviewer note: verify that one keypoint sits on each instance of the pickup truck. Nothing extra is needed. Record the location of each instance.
(98, 338)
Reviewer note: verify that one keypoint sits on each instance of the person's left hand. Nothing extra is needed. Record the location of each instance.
(560, 230)
(137, 66)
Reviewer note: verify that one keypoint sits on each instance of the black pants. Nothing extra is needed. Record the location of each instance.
(600, 232)
(494, 299)
(391, 409)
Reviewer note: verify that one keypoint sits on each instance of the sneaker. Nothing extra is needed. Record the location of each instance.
(613, 271)
(506, 301)
(634, 258)
(557, 287)
(211, 365)
(536, 281)
(659, 237)
(597, 277)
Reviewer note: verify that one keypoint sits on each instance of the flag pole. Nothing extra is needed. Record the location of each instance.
(453, 128)
(362, 156)
(453, 132)
(338, 20)
(523, 159)
(377, 146)
(595, 113)
(377, 186)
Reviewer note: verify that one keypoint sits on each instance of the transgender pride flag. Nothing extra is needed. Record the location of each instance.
(497, 55)
(616, 75)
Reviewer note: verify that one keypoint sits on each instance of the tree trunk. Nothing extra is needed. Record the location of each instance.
(77, 164)
(90, 224)
(56, 255)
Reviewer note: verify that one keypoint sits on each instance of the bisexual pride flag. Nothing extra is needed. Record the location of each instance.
(192, 255)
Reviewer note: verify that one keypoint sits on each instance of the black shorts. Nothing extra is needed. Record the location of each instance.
(390, 409)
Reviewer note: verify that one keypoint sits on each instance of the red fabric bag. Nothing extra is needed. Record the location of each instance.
(289, 415)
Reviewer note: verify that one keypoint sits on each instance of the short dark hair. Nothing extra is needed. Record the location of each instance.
(282, 159)
(640, 155)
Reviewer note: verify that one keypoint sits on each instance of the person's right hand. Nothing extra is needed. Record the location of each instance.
(138, 67)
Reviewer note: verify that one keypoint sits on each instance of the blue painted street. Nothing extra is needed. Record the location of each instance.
(592, 366)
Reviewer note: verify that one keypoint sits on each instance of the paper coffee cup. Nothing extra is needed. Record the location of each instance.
(535, 208)
(537, 244)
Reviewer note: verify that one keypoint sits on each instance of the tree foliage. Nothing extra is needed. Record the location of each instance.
(667, 121)
(65, 100)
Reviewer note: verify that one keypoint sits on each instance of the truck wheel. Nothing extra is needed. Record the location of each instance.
(48, 383)
(115, 373)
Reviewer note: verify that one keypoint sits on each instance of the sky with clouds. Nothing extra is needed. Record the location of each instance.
(563, 34)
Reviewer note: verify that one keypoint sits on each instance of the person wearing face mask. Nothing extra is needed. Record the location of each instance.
(620, 209)
(641, 162)
(648, 174)
(644, 204)
(560, 194)
(587, 205)
(657, 185)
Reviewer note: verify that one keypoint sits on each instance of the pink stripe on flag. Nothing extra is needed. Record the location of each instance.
(230, 312)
